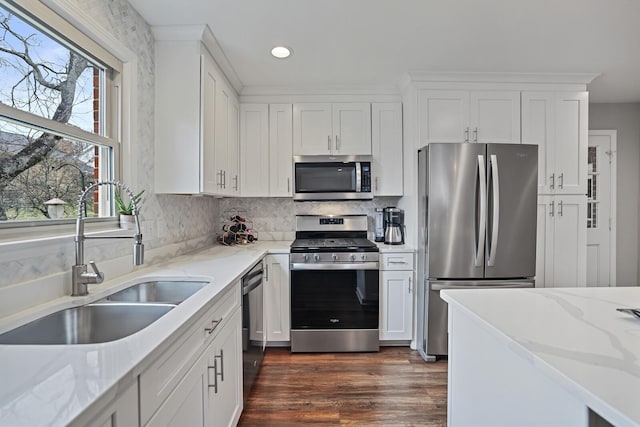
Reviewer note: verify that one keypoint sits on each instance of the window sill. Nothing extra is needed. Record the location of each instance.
(62, 232)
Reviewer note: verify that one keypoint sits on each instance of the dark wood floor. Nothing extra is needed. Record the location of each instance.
(391, 388)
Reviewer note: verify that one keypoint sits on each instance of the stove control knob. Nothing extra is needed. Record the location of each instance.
(353, 257)
(335, 257)
(316, 257)
(305, 257)
(363, 257)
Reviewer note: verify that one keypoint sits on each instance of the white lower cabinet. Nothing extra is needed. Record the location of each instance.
(210, 394)
(277, 298)
(123, 411)
(197, 379)
(561, 258)
(396, 296)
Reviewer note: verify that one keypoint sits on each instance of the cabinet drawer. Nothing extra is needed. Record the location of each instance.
(397, 261)
(159, 379)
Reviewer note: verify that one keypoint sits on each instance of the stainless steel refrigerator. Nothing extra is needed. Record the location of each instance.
(477, 226)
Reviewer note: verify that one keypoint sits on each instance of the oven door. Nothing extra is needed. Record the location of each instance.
(334, 309)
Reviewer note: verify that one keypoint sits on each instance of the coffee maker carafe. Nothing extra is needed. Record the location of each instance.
(393, 226)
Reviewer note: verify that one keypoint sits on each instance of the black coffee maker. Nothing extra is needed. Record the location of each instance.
(393, 226)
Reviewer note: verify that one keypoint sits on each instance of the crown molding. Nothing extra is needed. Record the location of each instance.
(499, 77)
(318, 90)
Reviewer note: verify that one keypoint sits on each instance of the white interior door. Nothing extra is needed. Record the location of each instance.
(601, 208)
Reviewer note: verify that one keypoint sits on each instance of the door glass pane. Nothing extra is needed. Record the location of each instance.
(592, 187)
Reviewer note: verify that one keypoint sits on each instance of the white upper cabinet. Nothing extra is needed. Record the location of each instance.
(280, 150)
(332, 129)
(226, 140)
(469, 116)
(558, 123)
(254, 149)
(386, 146)
(494, 116)
(196, 122)
(266, 150)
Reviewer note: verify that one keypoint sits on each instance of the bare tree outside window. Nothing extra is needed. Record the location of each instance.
(41, 76)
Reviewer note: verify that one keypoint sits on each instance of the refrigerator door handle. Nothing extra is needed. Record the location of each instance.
(495, 214)
(482, 225)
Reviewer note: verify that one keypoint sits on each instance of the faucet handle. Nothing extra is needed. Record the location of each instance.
(99, 274)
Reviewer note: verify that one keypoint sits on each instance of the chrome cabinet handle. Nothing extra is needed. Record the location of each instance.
(552, 208)
(266, 271)
(215, 376)
(224, 179)
(235, 187)
(475, 135)
(466, 134)
(328, 142)
(376, 183)
(553, 181)
(409, 284)
(561, 183)
(337, 143)
(214, 325)
(288, 185)
(560, 208)
(221, 357)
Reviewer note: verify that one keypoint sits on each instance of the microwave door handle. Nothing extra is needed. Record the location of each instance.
(358, 177)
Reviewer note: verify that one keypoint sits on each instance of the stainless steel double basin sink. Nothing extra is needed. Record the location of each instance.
(114, 317)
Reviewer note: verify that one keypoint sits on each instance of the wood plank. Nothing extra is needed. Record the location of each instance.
(393, 387)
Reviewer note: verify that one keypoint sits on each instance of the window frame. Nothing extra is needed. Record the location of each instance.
(51, 23)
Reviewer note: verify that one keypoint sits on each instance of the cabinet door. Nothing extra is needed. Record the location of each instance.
(386, 147)
(443, 116)
(352, 129)
(254, 149)
(186, 405)
(570, 241)
(233, 147)
(494, 117)
(122, 412)
(280, 150)
(538, 128)
(223, 100)
(276, 297)
(571, 142)
(207, 123)
(396, 305)
(225, 374)
(544, 242)
(312, 131)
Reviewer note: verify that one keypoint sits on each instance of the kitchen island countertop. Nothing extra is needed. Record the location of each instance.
(574, 337)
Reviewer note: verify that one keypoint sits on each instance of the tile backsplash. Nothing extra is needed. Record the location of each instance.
(274, 218)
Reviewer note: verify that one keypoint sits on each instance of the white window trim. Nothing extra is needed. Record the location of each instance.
(127, 121)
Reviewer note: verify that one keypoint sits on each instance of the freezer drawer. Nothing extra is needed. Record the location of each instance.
(436, 336)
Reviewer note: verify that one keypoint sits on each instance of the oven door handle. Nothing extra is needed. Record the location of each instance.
(335, 266)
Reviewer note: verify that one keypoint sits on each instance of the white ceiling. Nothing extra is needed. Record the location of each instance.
(373, 43)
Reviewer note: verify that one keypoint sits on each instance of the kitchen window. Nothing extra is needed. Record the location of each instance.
(59, 117)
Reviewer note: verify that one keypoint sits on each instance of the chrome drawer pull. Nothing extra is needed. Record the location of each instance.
(214, 325)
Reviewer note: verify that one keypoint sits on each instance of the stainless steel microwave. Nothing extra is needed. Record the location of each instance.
(332, 178)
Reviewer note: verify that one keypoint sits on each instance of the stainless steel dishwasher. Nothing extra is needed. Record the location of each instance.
(253, 331)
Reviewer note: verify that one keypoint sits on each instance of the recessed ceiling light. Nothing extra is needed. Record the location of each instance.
(281, 52)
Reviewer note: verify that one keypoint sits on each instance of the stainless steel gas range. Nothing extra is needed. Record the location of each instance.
(334, 285)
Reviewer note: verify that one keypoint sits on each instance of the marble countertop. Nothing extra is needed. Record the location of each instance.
(575, 336)
(53, 384)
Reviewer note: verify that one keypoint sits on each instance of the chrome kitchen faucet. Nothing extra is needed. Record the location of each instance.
(80, 278)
